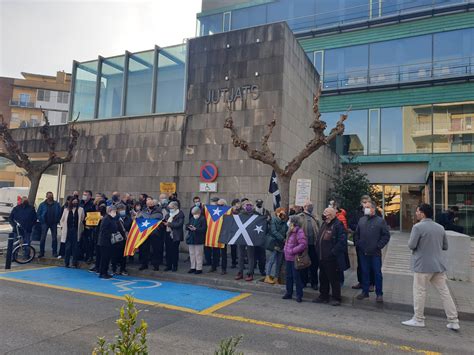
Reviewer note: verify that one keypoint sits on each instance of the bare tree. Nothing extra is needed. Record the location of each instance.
(266, 156)
(34, 169)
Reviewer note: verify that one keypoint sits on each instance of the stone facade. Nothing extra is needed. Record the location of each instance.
(274, 76)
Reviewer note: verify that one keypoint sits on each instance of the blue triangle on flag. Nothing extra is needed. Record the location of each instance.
(144, 223)
(217, 212)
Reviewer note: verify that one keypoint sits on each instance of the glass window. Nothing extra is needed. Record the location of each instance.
(417, 129)
(340, 11)
(43, 95)
(355, 134)
(453, 127)
(84, 90)
(24, 99)
(63, 117)
(374, 131)
(391, 131)
(331, 119)
(397, 6)
(171, 79)
(111, 87)
(227, 23)
(139, 83)
(248, 17)
(318, 62)
(401, 60)
(210, 24)
(346, 66)
(453, 52)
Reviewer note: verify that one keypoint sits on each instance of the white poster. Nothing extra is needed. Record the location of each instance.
(303, 191)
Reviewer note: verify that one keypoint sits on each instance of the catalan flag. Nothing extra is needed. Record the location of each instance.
(214, 220)
(140, 231)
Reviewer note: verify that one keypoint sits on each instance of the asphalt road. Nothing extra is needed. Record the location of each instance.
(40, 320)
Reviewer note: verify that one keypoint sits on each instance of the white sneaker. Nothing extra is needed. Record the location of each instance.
(453, 326)
(414, 323)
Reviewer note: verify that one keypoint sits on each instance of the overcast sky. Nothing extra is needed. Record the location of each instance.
(44, 36)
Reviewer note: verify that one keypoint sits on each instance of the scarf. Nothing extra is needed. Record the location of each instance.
(170, 218)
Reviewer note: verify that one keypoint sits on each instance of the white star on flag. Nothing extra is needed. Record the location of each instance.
(275, 180)
(217, 212)
(146, 224)
(258, 229)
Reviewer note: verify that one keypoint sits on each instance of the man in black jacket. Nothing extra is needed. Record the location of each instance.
(331, 248)
(370, 237)
(87, 244)
(25, 215)
(152, 211)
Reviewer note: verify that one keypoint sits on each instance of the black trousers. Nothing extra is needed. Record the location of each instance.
(260, 259)
(70, 248)
(105, 256)
(88, 244)
(329, 275)
(157, 243)
(54, 237)
(207, 255)
(118, 260)
(310, 274)
(359, 270)
(219, 254)
(172, 253)
(233, 254)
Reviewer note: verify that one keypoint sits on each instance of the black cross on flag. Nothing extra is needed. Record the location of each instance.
(244, 229)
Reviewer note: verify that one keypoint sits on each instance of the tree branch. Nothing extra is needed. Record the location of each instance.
(12, 150)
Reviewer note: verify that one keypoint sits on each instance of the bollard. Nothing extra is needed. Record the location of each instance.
(8, 262)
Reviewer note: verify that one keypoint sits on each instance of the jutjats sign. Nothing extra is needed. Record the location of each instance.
(214, 96)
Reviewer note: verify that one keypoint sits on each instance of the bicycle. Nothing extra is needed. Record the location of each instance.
(22, 253)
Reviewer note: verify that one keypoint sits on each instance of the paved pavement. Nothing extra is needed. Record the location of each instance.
(39, 319)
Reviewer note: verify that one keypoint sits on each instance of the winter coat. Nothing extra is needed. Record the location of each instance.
(108, 226)
(63, 223)
(155, 213)
(295, 244)
(43, 210)
(25, 216)
(371, 235)
(177, 232)
(198, 236)
(338, 249)
(309, 221)
(341, 215)
(275, 239)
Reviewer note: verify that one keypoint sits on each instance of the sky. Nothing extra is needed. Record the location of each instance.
(45, 36)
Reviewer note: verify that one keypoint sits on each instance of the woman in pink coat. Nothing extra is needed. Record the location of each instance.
(295, 244)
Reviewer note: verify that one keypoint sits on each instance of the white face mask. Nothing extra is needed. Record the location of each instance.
(113, 214)
(367, 211)
(196, 216)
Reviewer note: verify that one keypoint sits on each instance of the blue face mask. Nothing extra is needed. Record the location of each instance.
(122, 213)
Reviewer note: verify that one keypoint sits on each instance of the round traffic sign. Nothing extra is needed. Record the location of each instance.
(208, 172)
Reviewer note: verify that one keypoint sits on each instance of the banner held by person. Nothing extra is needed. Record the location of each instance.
(275, 191)
(214, 219)
(139, 232)
(244, 229)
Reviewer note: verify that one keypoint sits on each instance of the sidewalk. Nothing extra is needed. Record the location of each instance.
(398, 281)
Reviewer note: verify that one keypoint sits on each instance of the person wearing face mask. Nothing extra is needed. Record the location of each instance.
(72, 226)
(196, 203)
(274, 243)
(75, 194)
(142, 200)
(174, 225)
(108, 226)
(310, 227)
(100, 205)
(196, 236)
(124, 223)
(87, 244)
(155, 240)
(115, 199)
(49, 215)
(25, 215)
(243, 250)
(260, 251)
(236, 209)
(331, 247)
(371, 236)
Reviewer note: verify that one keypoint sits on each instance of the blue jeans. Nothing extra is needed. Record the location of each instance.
(293, 276)
(274, 264)
(26, 242)
(371, 263)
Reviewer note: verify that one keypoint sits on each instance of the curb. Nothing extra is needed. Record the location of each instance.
(258, 286)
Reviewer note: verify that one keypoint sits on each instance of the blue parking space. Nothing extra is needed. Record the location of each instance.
(185, 296)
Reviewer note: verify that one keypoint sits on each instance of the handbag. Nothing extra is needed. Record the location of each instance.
(116, 238)
(302, 261)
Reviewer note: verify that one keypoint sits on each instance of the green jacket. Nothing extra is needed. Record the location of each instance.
(276, 236)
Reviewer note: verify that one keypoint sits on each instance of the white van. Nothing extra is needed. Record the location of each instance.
(9, 197)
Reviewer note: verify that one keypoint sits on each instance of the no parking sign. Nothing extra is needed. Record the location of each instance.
(208, 172)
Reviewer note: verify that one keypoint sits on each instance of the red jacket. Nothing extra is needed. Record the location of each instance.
(342, 216)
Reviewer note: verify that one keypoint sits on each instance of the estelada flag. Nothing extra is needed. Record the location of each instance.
(214, 219)
(139, 232)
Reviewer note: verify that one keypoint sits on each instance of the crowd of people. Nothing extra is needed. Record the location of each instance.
(314, 249)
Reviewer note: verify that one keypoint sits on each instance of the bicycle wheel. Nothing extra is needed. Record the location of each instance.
(23, 254)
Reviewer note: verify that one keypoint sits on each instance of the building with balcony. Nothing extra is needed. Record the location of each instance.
(406, 70)
(35, 92)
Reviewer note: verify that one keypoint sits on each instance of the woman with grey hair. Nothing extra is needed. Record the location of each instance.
(174, 226)
(108, 228)
(196, 235)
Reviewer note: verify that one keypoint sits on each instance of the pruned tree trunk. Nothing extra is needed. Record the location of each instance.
(12, 151)
(266, 156)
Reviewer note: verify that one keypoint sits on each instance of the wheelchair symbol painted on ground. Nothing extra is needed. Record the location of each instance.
(130, 285)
